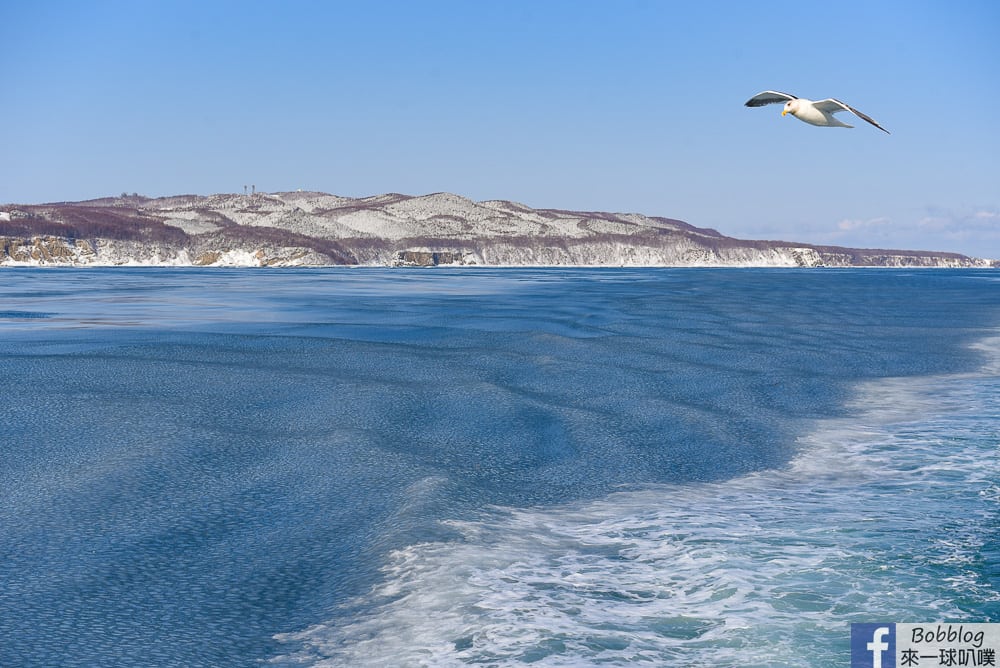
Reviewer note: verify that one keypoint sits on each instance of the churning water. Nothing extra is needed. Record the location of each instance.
(576, 467)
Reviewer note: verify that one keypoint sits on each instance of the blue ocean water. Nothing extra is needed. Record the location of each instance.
(554, 467)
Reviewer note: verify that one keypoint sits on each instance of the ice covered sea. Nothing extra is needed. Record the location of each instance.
(572, 467)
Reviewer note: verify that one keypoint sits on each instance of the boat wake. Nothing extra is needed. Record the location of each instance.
(886, 514)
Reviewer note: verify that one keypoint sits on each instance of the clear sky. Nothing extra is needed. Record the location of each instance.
(626, 106)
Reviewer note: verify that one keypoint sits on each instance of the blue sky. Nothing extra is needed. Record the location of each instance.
(618, 106)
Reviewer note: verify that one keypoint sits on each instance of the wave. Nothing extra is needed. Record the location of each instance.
(886, 514)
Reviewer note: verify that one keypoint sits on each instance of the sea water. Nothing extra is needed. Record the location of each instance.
(451, 467)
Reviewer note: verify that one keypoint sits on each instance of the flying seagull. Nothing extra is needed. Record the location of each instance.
(813, 113)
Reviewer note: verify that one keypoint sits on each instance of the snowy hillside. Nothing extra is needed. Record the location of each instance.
(312, 229)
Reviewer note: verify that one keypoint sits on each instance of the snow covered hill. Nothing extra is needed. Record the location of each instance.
(315, 229)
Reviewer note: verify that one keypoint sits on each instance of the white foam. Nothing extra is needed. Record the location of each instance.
(766, 569)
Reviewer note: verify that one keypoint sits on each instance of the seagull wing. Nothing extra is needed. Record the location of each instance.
(832, 106)
(769, 97)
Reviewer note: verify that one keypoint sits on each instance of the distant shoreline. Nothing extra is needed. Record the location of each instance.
(436, 230)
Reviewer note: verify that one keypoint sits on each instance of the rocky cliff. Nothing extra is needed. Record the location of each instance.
(315, 229)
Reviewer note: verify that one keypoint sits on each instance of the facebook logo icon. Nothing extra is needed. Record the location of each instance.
(873, 646)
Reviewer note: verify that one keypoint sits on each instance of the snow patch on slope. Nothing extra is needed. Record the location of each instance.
(311, 228)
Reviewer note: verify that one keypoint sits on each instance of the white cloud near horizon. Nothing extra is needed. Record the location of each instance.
(982, 220)
(850, 225)
(972, 231)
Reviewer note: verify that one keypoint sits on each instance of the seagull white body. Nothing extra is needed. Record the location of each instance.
(806, 110)
(813, 112)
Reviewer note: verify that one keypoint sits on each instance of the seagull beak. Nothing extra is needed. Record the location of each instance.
(784, 111)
